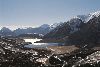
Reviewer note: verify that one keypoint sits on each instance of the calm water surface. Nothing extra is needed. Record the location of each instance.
(39, 45)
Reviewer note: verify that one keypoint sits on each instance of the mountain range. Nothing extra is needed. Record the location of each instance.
(82, 29)
(43, 29)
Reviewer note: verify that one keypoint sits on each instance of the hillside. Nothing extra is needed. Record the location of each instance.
(83, 29)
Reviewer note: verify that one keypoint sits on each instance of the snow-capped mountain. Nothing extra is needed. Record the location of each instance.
(52, 26)
(65, 28)
(43, 29)
(6, 32)
(83, 17)
(73, 25)
(88, 17)
(80, 19)
(45, 26)
(92, 15)
(95, 14)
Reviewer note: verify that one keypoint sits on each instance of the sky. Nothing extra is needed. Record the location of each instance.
(16, 13)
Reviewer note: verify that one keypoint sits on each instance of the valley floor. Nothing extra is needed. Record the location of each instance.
(62, 49)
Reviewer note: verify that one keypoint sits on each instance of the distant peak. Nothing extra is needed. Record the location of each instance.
(89, 16)
(44, 26)
(96, 14)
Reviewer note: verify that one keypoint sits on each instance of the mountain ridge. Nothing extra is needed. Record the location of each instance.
(43, 29)
(76, 31)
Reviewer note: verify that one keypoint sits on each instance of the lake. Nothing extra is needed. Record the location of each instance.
(39, 45)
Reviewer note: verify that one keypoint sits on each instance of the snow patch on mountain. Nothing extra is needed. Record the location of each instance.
(96, 14)
(83, 17)
(88, 17)
(76, 21)
(92, 15)
(45, 26)
(52, 26)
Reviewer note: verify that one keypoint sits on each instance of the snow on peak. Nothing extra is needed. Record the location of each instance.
(75, 17)
(86, 18)
(83, 17)
(92, 15)
(44, 26)
(96, 14)
(52, 26)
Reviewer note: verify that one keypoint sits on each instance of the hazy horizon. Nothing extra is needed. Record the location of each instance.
(33, 13)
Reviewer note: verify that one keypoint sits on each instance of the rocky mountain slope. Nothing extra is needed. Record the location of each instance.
(6, 32)
(88, 33)
(81, 29)
(65, 28)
